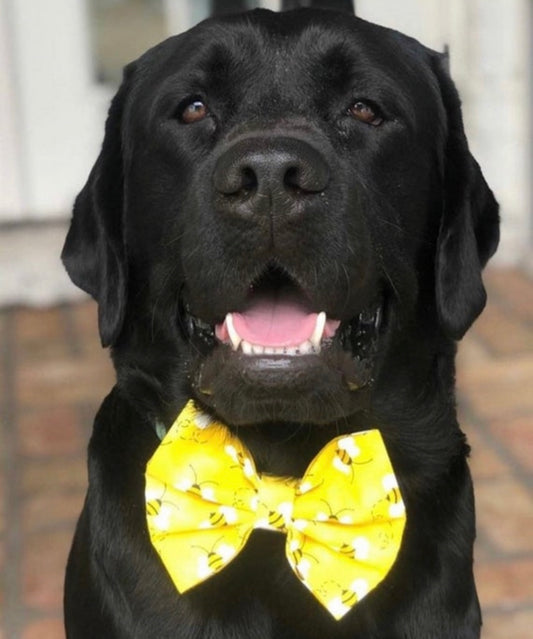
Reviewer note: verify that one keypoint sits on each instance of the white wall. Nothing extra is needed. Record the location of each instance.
(10, 156)
(499, 113)
(59, 111)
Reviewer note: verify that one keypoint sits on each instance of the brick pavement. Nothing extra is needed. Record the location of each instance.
(53, 376)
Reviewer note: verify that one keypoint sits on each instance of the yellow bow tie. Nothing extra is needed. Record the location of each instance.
(344, 519)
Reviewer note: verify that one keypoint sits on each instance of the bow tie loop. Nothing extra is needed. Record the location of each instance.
(344, 518)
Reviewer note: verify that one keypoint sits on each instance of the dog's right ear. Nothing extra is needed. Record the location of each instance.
(94, 253)
(469, 230)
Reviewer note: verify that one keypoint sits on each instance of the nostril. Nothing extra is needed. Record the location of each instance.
(296, 182)
(300, 179)
(244, 186)
(235, 180)
(292, 180)
(249, 181)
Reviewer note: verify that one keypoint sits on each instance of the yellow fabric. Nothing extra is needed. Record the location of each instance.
(344, 519)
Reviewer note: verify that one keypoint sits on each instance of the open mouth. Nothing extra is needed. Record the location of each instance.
(278, 327)
(277, 319)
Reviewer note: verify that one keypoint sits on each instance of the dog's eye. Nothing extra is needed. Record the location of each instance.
(365, 112)
(193, 111)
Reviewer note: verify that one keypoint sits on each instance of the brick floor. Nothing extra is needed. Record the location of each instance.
(53, 375)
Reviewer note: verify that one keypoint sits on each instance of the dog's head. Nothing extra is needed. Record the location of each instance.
(284, 212)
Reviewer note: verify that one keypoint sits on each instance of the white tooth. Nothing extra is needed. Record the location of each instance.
(257, 349)
(246, 347)
(235, 338)
(305, 347)
(269, 350)
(291, 351)
(278, 351)
(319, 330)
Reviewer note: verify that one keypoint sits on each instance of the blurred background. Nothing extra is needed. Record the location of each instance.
(60, 63)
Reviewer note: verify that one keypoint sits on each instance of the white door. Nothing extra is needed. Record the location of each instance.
(55, 106)
(60, 61)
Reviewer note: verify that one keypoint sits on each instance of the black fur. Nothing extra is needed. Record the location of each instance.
(406, 219)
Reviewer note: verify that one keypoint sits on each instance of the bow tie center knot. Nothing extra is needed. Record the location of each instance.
(275, 501)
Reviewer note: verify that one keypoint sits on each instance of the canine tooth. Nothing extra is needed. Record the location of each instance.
(305, 347)
(257, 349)
(235, 338)
(319, 330)
(246, 347)
(377, 319)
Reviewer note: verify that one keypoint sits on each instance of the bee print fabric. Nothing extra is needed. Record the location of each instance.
(344, 519)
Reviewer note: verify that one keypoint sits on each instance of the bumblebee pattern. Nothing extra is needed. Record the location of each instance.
(344, 517)
(346, 598)
(213, 559)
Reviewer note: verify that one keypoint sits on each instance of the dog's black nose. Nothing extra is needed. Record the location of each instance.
(276, 175)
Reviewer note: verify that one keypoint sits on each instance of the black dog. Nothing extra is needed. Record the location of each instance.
(282, 164)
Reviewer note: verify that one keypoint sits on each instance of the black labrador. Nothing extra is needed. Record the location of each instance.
(299, 165)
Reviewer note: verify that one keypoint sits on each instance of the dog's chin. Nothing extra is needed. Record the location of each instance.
(326, 377)
(259, 389)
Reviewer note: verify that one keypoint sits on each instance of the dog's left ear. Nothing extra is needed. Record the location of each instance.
(469, 228)
(94, 253)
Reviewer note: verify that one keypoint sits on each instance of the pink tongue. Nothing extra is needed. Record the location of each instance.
(280, 320)
(275, 323)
